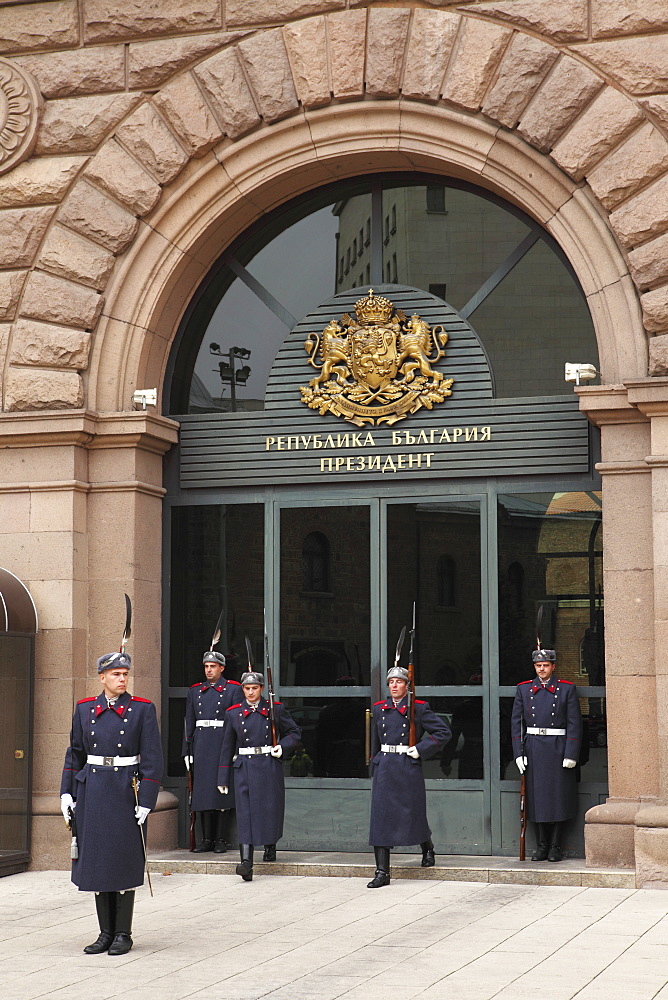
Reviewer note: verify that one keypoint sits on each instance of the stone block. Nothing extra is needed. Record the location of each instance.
(15, 514)
(655, 310)
(524, 65)
(346, 34)
(649, 263)
(618, 17)
(253, 12)
(148, 138)
(11, 285)
(55, 300)
(90, 212)
(307, 45)
(640, 65)
(151, 64)
(182, 104)
(21, 232)
(609, 845)
(224, 83)
(50, 850)
(119, 174)
(70, 256)
(564, 94)
(643, 216)
(94, 70)
(33, 26)
(657, 106)
(79, 124)
(163, 826)
(609, 118)
(430, 42)
(59, 652)
(387, 31)
(49, 346)
(39, 181)
(641, 158)
(478, 53)
(265, 59)
(563, 20)
(651, 857)
(4, 339)
(34, 389)
(108, 19)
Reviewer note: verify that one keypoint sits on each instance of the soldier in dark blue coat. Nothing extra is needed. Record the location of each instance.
(206, 706)
(398, 797)
(547, 733)
(259, 788)
(114, 739)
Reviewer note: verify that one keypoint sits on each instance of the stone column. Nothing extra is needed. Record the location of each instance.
(629, 594)
(81, 495)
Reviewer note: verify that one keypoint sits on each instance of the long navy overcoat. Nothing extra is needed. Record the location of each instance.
(398, 797)
(210, 702)
(551, 787)
(259, 788)
(111, 856)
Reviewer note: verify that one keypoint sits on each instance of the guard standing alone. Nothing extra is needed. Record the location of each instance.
(398, 796)
(259, 787)
(547, 733)
(114, 739)
(207, 704)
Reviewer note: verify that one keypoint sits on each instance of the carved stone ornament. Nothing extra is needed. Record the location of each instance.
(20, 109)
(377, 369)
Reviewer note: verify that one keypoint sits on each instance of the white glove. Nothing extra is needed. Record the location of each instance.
(277, 751)
(67, 802)
(521, 764)
(141, 812)
(187, 761)
(568, 762)
(413, 752)
(223, 789)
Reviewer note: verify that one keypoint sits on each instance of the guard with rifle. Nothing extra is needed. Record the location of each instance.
(207, 703)
(404, 732)
(110, 783)
(258, 731)
(547, 733)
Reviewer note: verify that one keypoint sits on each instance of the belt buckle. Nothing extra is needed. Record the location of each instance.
(542, 732)
(108, 761)
(257, 749)
(393, 749)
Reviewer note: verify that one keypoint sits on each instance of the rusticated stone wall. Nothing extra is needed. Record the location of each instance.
(126, 93)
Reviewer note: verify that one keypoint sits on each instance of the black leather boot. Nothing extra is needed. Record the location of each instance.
(245, 866)
(125, 904)
(382, 876)
(105, 904)
(540, 854)
(269, 852)
(206, 844)
(219, 845)
(555, 853)
(428, 855)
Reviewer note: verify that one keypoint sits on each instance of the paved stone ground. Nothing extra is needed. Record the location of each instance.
(213, 937)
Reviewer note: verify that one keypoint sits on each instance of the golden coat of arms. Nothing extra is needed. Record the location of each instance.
(376, 369)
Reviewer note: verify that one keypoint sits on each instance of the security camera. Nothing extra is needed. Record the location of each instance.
(579, 373)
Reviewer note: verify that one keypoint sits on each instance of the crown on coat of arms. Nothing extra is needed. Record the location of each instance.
(373, 309)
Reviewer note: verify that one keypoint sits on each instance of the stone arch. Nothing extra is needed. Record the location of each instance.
(267, 117)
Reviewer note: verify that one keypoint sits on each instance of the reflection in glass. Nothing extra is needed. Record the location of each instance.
(217, 563)
(333, 735)
(463, 756)
(15, 689)
(550, 554)
(433, 558)
(325, 628)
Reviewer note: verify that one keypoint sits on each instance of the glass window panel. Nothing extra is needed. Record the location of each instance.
(333, 736)
(550, 554)
(325, 634)
(217, 564)
(463, 756)
(15, 686)
(433, 558)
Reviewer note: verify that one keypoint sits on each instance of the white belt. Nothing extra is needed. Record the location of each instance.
(532, 731)
(211, 722)
(111, 761)
(246, 751)
(386, 748)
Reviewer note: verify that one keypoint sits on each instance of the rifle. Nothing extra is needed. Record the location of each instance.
(270, 687)
(523, 808)
(191, 782)
(411, 687)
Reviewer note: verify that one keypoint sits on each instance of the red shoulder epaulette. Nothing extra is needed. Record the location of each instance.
(84, 700)
(230, 681)
(562, 681)
(381, 702)
(418, 702)
(278, 703)
(146, 701)
(196, 684)
(525, 682)
(234, 706)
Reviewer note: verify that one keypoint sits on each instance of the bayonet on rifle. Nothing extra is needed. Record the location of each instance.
(270, 686)
(411, 687)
